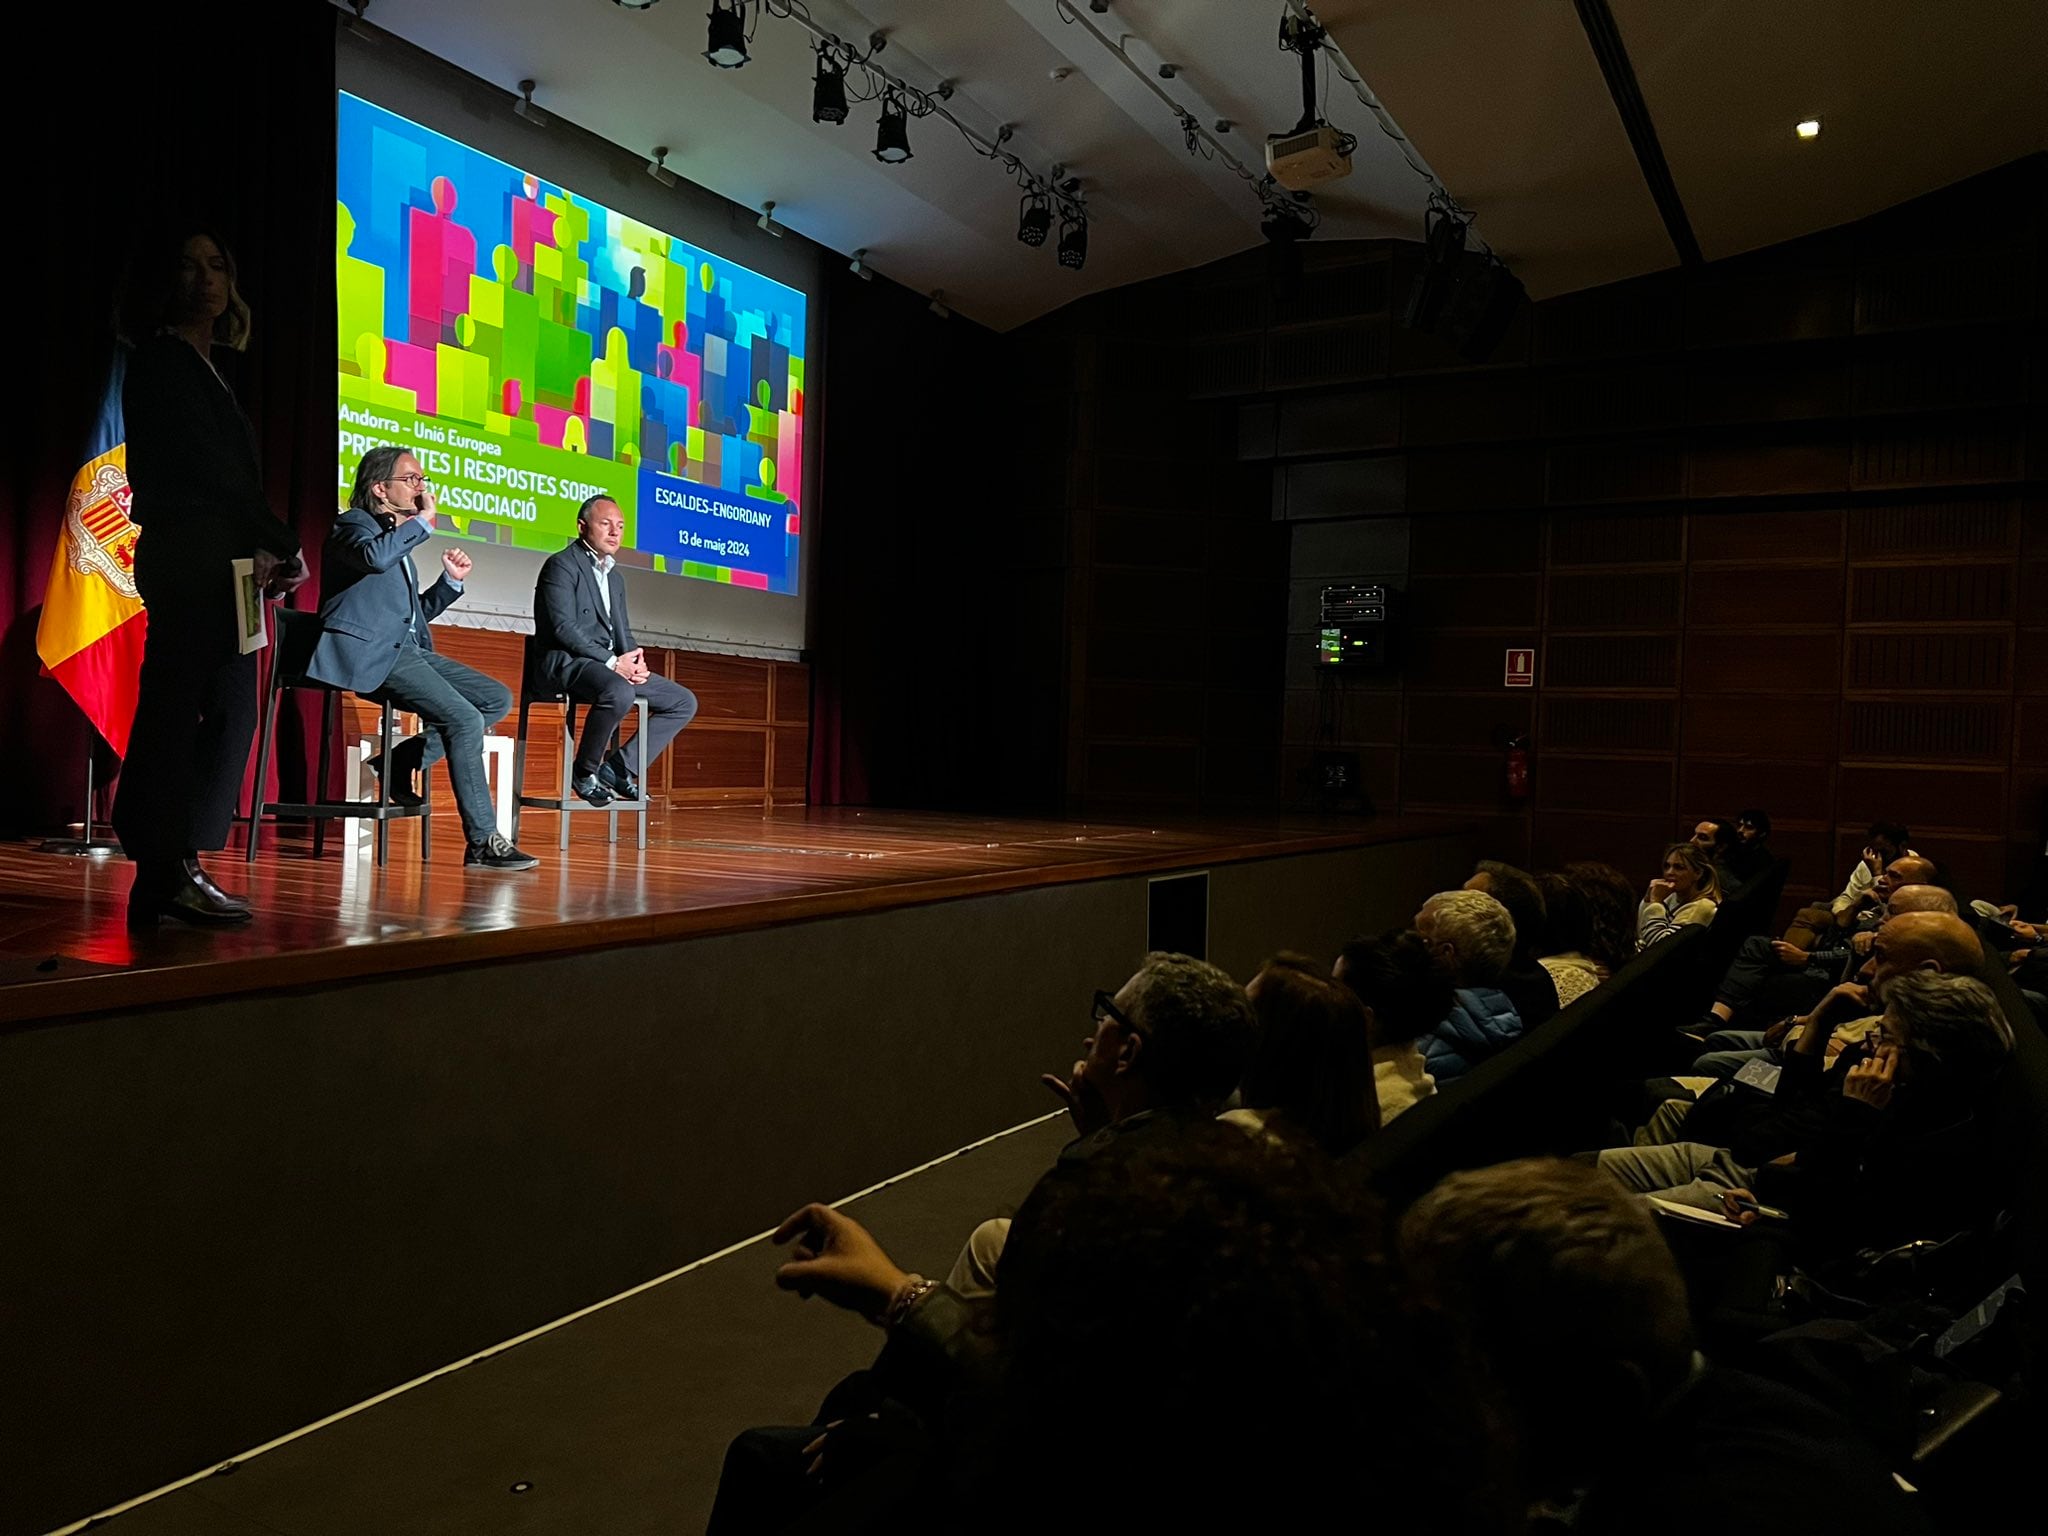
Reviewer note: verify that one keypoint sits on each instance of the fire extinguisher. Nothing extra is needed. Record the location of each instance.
(1516, 768)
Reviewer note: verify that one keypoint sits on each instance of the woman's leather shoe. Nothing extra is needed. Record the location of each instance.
(214, 893)
(184, 901)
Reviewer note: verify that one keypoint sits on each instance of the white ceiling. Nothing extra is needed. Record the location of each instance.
(1502, 97)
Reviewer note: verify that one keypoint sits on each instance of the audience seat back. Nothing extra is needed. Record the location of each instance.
(1551, 1091)
(2018, 1132)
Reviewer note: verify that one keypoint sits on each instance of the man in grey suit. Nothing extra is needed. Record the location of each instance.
(584, 638)
(375, 641)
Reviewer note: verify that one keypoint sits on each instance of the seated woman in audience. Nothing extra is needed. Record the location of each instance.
(1528, 985)
(1611, 903)
(1688, 891)
(1567, 934)
(1405, 997)
(1311, 1068)
(1470, 939)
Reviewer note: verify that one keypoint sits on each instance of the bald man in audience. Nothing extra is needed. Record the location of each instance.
(1730, 1050)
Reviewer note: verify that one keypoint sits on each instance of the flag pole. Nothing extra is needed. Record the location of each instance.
(88, 846)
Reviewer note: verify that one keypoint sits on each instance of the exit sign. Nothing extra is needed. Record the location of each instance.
(1521, 668)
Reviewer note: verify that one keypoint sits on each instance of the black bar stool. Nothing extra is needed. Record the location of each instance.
(292, 642)
(533, 691)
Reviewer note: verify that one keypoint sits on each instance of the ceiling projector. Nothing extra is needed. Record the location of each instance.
(1306, 157)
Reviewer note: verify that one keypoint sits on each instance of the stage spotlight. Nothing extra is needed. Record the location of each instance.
(658, 166)
(938, 304)
(859, 266)
(766, 223)
(525, 108)
(1809, 129)
(726, 43)
(1285, 223)
(828, 90)
(892, 132)
(1074, 241)
(1034, 223)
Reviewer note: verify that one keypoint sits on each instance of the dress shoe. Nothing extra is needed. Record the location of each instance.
(214, 893)
(401, 791)
(618, 778)
(183, 900)
(590, 789)
(497, 852)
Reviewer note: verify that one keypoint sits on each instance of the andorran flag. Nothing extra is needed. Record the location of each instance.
(90, 636)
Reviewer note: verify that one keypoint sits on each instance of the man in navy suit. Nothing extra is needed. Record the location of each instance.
(375, 641)
(586, 650)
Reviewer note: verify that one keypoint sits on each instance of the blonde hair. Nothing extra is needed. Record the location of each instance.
(1695, 858)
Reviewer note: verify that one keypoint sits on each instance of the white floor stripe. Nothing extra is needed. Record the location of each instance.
(498, 1349)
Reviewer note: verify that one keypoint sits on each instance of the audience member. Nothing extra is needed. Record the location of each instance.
(1884, 842)
(1407, 997)
(1611, 897)
(1567, 934)
(1168, 1046)
(1310, 1072)
(1882, 1149)
(1688, 891)
(1770, 977)
(1221, 1309)
(1527, 984)
(1567, 1293)
(1750, 854)
(1471, 939)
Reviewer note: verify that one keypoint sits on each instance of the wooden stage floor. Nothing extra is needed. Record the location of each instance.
(65, 949)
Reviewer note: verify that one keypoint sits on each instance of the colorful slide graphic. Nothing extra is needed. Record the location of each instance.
(534, 348)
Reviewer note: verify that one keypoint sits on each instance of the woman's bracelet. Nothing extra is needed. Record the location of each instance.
(913, 1290)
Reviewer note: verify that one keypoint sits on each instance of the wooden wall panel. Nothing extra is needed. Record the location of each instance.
(1737, 597)
(1794, 792)
(725, 753)
(1569, 783)
(1760, 725)
(1792, 549)
(1926, 795)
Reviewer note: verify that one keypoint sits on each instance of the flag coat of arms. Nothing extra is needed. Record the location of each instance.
(90, 634)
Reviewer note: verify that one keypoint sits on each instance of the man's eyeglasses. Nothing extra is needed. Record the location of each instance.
(415, 481)
(1106, 1010)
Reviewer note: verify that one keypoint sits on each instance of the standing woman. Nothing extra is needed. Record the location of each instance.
(198, 499)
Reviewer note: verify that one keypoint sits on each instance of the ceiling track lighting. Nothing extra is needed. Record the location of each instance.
(1074, 239)
(356, 23)
(525, 108)
(892, 131)
(859, 266)
(828, 89)
(938, 304)
(1034, 219)
(658, 166)
(725, 43)
(766, 223)
(847, 72)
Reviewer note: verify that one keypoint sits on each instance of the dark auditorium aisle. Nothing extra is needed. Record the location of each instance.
(618, 1421)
